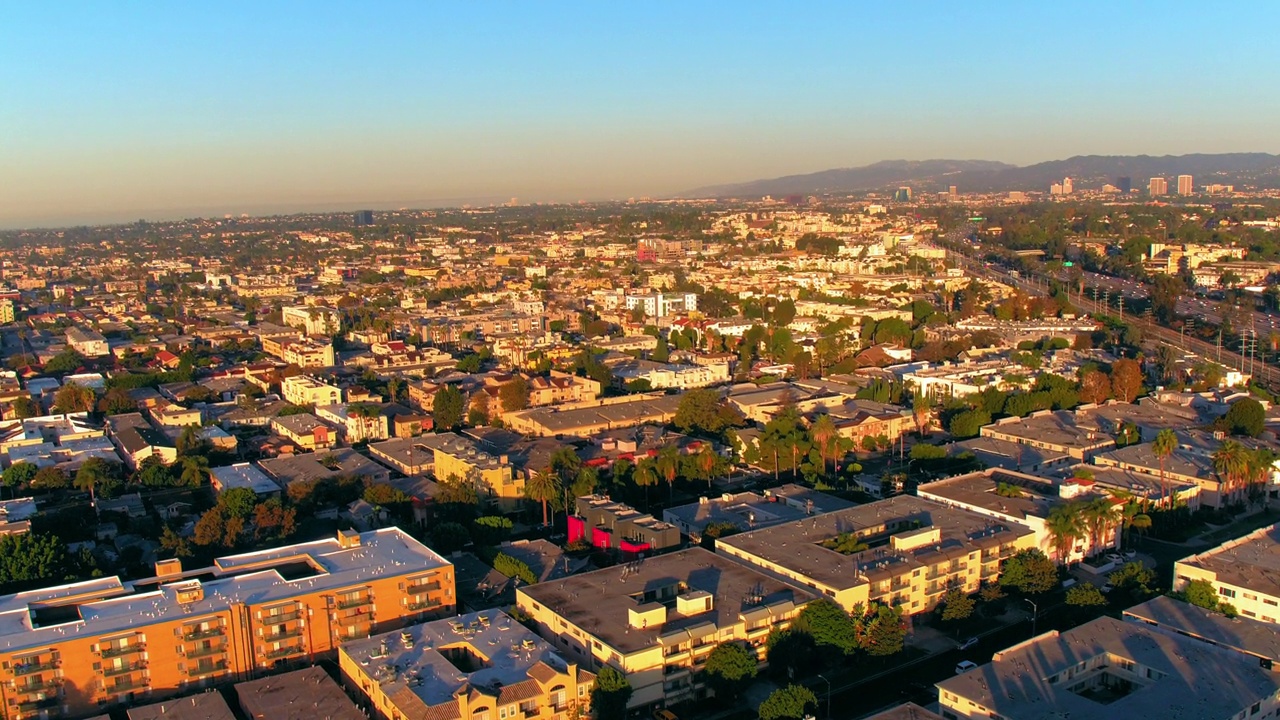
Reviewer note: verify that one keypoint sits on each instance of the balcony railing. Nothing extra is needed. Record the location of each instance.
(348, 603)
(423, 587)
(118, 650)
(283, 617)
(112, 671)
(207, 651)
(207, 669)
(422, 605)
(125, 686)
(20, 669)
(41, 704)
(203, 634)
(38, 686)
(285, 635)
(284, 652)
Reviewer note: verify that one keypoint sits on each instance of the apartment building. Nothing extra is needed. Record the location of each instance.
(561, 387)
(509, 671)
(89, 343)
(306, 431)
(76, 649)
(1055, 431)
(1112, 669)
(312, 319)
(607, 524)
(659, 305)
(303, 352)
(458, 457)
(306, 390)
(1245, 572)
(1026, 500)
(307, 694)
(904, 551)
(583, 421)
(751, 510)
(658, 620)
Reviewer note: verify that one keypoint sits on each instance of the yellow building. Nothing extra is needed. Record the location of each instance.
(904, 551)
(658, 620)
(306, 390)
(458, 457)
(72, 650)
(481, 665)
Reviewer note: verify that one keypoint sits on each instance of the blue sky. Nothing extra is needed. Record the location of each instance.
(114, 111)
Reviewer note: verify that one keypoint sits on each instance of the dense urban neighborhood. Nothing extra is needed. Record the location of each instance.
(907, 454)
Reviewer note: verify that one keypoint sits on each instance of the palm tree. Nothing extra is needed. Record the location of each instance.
(92, 474)
(194, 469)
(1229, 464)
(707, 462)
(921, 410)
(1141, 522)
(1064, 527)
(1097, 517)
(543, 486)
(669, 465)
(824, 432)
(1163, 446)
(645, 475)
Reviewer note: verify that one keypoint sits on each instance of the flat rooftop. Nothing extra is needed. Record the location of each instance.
(1193, 679)
(796, 545)
(755, 510)
(1242, 634)
(978, 489)
(1251, 561)
(491, 650)
(106, 605)
(599, 602)
(204, 706)
(1004, 454)
(1059, 429)
(308, 694)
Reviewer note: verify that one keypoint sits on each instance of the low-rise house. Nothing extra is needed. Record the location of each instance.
(308, 391)
(750, 510)
(243, 475)
(606, 524)
(288, 469)
(136, 440)
(305, 430)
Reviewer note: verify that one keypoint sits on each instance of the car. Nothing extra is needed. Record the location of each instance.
(915, 689)
(968, 643)
(1130, 554)
(661, 714)
(1107, 587)
(1115, 557)
(965, 666)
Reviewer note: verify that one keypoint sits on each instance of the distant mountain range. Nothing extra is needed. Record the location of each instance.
(1086, 172)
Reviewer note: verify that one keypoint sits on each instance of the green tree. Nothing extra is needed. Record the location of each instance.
(542, 487)
(24, 407)
(97, 477)
(18, 476)
(1085, 595)
(514, 568)
(668, 464)
(29, 558)
(1201, 593)
(1246, 417)
(50, 478)
(515, 394)
(610, 694)
(1029, 571)
(792, 702)
(73, 397)
(67, 361)
(447, 408)
(956, 606)
(969, 423)
(195, 470)
(1134, 579)
(238, 502)
(1163, 446)
(1065, 526)
(491, 529)
(828, 624)
(449, 537)
(698, 411)
(645, 476)
(883, 631)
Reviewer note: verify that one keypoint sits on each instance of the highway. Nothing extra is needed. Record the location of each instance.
(1266, 374)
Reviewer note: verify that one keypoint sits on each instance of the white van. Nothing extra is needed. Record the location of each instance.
(965, 666)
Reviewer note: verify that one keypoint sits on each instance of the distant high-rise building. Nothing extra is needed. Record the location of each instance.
(1157, 187)
(903, 194)
(364, 218)
(1125, 183)
(1066, 186)
(1185, 186)
(953, 192)
(1055, 189)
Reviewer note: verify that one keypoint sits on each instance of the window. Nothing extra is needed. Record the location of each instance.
(1226, 592)
(1250, 596)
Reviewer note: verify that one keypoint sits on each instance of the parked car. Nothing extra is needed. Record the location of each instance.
(965, 666)
(661, 714)
(1107, 587)
(1115, 557)
(968, 643)
(1130, 554)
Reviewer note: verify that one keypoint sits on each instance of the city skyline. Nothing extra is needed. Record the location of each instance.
(116, 115)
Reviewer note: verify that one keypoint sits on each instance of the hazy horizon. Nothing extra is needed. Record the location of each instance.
(161, 112)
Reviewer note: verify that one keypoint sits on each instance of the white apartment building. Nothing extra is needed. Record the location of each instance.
(306, 390)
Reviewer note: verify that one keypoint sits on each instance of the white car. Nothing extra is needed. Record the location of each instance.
(967, 644)
(965, 666)
(1115, 557)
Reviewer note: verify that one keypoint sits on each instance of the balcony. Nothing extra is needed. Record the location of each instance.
(125, 686)
(20, 669)
(284, 652)
(422, 605)
(200, 670)
(203, 634)
(349, 603)
(124, 669)
(285, 635)
(37, 686)
(41, 704)
(207, 651)
(282, 617)
(423, 587)
(118, 650)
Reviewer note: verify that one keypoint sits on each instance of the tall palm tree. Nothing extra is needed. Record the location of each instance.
(1229, 464)
(707, 462)
(668, 463)
(1097, 516)
(1163, 446)
(1064, 527)
(824, 432)
(543, 486)
(645, 475)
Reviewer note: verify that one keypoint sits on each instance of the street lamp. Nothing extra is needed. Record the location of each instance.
(1035, 611)
(828, 682)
